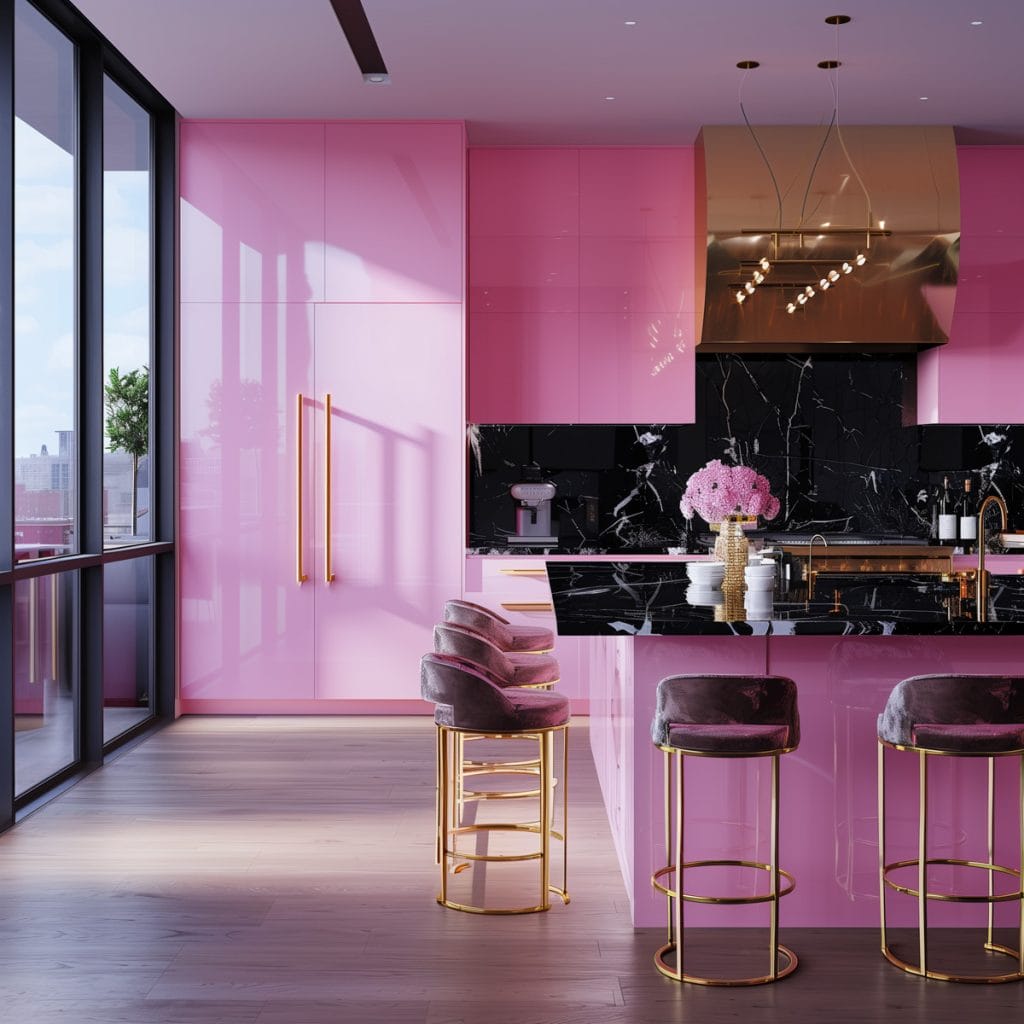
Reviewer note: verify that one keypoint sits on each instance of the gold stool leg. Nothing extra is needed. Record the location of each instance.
(881, 842)
(991, 837)
(444, 799)
(670, 937)
(544, 821)
(565, 815)
(922, 864)
(678, 922)
(773, 931)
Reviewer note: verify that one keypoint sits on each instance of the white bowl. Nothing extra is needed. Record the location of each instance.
(765, 583)
(705, 571)
(697, 595)
(760, 570)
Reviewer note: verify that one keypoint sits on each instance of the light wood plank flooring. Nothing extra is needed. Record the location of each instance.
(280, 871)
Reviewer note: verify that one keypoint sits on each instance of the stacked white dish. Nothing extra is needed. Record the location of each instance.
(760, 575)
(706, 575)
(707, 596)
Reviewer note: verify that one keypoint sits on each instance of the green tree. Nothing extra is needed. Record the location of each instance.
(127, 404)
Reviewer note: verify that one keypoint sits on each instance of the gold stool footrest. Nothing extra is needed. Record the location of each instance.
(952, 897)
(696, 979)
(969, 979)
(691, 897)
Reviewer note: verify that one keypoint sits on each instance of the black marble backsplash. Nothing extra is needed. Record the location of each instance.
(827, 431)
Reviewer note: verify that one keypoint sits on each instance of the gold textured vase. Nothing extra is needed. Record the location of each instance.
(731, 547)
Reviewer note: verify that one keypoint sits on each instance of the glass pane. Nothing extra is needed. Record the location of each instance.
(45, 737)
(127, 674)
(126, 317)
(44, 288)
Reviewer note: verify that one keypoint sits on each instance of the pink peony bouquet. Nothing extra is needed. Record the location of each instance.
(717, 491)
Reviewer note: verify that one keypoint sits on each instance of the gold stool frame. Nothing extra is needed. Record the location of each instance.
(677, 897)
(922, 860)
(451, 795)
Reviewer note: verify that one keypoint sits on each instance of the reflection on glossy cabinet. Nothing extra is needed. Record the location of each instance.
(396, 492)
(246, 625)
(252, 211)
(394, 212)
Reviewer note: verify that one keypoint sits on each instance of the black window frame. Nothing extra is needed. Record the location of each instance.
(95, 57)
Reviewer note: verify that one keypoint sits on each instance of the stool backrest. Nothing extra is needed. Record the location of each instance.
(480, 619)
(950, 700)
(465, 694)
(468, 644)
(726, 700)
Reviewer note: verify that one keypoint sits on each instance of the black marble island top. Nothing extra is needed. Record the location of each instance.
(623, 598)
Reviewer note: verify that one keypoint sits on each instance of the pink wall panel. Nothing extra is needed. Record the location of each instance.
(252, 211)
(395, 206)
(620, 274)
(991, 198)
(524, 368)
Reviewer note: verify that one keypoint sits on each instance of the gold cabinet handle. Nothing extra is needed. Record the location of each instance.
(523, 572)
(527, 606)
(328, 571)
(300, 576)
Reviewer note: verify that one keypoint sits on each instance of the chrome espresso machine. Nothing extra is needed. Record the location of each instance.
(533, 514)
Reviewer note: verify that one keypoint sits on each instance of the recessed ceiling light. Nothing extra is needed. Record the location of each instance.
(609, 97)
(633, 22)
(922, 97)
(975, 23)
(377, 78)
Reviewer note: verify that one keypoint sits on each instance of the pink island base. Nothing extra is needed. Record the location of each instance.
(829, 824)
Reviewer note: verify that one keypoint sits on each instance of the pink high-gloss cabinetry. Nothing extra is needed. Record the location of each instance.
(396, 492)
(394, 212)
(829, 827)
(247, 628)
(973, 378)
(252, 211)
(252, 637)
(582, 292)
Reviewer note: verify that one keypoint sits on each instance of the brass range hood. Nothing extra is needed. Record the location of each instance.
(892, 197)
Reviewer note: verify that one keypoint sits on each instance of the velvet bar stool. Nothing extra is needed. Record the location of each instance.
(722, 716)
(953, 716)
(534, 671)
(470, 702)
(501, 632)
(539, 671)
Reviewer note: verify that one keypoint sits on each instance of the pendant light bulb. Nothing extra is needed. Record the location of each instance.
(791, 307)
(860, 259)
(808, 291)
(741, 296)
(833, 276)
(824, 284)
(765, 265)
(847, 269)
(749, 288)
(801, 298)
(758, 277)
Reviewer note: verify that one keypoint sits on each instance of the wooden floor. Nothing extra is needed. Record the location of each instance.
(280, 871)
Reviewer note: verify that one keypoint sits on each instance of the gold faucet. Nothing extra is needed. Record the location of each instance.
(981, 587)
(810, 565)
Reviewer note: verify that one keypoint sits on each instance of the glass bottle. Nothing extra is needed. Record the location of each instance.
(947, 515)
(968, 520)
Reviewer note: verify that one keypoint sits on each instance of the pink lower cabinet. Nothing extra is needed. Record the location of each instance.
(376, 470)
(517, 589)
(395, 492)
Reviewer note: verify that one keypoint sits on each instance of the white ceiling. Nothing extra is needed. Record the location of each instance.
(523, 72)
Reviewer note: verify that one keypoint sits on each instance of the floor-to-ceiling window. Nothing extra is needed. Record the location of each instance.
(86, 399)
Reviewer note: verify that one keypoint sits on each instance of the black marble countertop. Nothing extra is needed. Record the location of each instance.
(623, 598)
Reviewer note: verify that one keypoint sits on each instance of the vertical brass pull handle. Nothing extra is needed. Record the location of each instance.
(300, 576)
(328, 571)
(33, 630)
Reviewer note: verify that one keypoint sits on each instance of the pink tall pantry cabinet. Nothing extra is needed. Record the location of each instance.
(319, 259)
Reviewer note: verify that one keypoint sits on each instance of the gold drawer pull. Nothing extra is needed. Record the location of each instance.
(528, 606)
(523, 572)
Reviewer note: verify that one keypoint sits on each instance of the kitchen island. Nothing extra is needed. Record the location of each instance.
(845, 653)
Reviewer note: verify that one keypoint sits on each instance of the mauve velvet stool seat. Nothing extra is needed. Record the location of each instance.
(953, 715)
(471, 702)
(725, 716)
(502, 633)
(534, 670)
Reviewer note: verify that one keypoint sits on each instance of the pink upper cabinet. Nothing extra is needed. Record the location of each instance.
(395, 207)
(974, 377)
(582, 292)
(252, 212)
